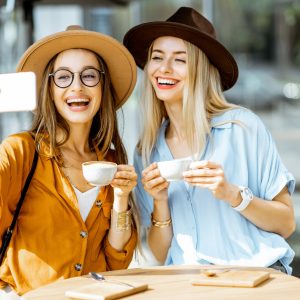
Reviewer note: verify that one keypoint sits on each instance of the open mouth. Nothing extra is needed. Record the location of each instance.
(166, 82)
(78, 102)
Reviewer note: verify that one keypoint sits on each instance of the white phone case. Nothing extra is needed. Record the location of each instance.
(17, 92)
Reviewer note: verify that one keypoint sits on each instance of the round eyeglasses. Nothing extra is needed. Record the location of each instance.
(63, 78)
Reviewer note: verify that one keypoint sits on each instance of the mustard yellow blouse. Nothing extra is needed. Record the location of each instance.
(50, 240)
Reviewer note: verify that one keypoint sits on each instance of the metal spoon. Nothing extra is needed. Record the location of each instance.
(99, 277)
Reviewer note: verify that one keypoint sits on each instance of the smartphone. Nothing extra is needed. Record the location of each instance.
(18, 92)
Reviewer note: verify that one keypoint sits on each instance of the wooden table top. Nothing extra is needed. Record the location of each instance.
(174, 282)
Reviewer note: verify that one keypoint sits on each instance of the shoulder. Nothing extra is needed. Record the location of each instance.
(238, 116)
(17, 152)
(19, 142)
(241, 114)
(245, 115)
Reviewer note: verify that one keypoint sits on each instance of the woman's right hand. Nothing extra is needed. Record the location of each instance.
(154, 184)
(159, 239)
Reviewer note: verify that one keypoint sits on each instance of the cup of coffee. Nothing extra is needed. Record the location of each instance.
(172, 170)
(99, 173)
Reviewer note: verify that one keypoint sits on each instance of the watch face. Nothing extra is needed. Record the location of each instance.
(246, 192)
(247, 196)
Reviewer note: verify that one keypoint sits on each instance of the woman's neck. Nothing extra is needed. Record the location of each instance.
(176, 127)
(175, 134)
(78, 141)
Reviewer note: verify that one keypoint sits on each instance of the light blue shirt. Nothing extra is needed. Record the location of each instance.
(208, 230)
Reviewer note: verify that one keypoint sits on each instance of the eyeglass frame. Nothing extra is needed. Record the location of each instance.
(101, 73)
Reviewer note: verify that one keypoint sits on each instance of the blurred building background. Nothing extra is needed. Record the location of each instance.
(263, 35)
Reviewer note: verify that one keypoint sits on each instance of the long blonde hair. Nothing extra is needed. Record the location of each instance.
(202, 99)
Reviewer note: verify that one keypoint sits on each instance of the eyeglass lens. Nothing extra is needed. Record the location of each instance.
(64, 78)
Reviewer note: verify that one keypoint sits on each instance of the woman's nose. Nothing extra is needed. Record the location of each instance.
(76, 84)
(166, 66)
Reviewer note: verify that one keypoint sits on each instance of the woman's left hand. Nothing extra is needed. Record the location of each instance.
(210, 175)
(124, 181)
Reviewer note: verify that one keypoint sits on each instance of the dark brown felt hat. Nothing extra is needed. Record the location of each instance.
(187, 24)
(120, 63)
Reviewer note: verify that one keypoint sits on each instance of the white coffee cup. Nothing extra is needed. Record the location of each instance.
(99, 173)
(172, 170)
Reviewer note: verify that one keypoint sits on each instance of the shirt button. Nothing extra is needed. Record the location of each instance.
(99, 203)
(78, 267)
(83, 234)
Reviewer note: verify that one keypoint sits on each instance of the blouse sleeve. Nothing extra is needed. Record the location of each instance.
(117, 260)
(272, 174)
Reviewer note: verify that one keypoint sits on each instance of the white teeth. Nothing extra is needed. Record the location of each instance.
(165, 81)
(76, 100)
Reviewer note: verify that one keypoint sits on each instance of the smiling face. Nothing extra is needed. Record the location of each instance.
(167, 68)
(77, 103)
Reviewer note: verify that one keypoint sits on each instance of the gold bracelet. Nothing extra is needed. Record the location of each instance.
(123, 220)
(161, 224)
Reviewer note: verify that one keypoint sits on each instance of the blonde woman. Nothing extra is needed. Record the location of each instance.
(234, 205)
(67, 227)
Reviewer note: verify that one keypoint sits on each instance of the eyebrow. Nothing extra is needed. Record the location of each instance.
(176, 52)
(84, 68)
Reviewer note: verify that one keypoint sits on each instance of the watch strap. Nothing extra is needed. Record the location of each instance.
(247, 197)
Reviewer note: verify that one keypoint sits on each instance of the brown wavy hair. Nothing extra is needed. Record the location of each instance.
(104, 132)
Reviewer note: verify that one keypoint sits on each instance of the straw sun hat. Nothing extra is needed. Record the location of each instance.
(120, 63)
(189, 25)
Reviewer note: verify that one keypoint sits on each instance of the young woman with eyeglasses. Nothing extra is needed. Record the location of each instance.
(66, 227)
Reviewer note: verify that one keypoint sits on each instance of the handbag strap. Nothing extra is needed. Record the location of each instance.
(23, 193)
(7, 235)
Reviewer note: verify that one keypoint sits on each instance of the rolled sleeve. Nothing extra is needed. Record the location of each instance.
(274, 175)
(117, 260)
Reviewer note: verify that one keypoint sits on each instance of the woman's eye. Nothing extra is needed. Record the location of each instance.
(180, 60)
(63, 77)
(156, 58)
(89, 76)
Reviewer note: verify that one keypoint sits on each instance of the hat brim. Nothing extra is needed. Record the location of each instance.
(139, 38)
(120, 63)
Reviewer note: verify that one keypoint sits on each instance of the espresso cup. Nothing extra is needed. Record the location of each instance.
(99, 173)
(172, 170)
